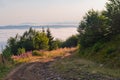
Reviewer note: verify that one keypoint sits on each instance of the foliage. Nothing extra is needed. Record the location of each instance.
(97, 46)
(54, 45)
(98, 26)
(6, 53)
(106, 53)
(4, 69)
(113, 12)
(49, 35)
(71, 41)
(41, 41)
(37, 53)
(12, 44)
(21, 50)
(59, 43)
(92, 28)
(30, 40)
(99, 35)
(110, 50)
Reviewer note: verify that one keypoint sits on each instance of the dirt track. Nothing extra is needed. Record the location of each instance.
(42, 70)
(29, 71)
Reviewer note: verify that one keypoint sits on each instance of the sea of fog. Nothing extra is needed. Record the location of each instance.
(62, 32)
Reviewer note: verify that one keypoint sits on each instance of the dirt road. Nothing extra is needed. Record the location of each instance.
(43, 71)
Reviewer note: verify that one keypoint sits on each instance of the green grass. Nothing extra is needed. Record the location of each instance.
(106, 71)
(72, 66)
(4, 69)
(107, 53)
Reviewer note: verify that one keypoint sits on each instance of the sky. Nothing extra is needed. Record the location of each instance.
(14, 12)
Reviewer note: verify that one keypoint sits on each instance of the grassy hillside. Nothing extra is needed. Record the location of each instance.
(73, 65)
(107, 53)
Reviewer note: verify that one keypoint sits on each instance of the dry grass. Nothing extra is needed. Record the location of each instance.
(62, 52)
(46, 55)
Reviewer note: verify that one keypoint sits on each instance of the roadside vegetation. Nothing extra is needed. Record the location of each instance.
(99, 35)
(80, 68)
(5, 66)
(40, 55)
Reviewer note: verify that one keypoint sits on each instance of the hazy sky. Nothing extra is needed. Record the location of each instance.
(45, 11)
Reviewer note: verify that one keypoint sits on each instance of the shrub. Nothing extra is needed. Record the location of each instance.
(54, 45)
(97, 47)
(21, 50)
(110, 50)
(7, 53)
(72, 41)
(37, 53)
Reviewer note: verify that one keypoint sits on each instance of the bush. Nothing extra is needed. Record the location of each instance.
(110, 50)
(71, 41)
(97, 47)
(7, 53)
(21, 50)
(37, 53)
(54, 45)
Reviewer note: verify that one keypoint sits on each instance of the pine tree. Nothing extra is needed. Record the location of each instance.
(43, 30)
(49, 35)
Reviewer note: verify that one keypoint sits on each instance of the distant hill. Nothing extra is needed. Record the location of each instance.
(38, 26)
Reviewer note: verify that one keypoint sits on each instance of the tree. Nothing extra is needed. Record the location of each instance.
(12, 44)
(21, 50)
(49, 35)
(41, 41)
(43, 30)
(54, 45)
(113, 12)
(58, 42)
(92, 28)
(6, 54)
(29, 41)
(71, 41)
